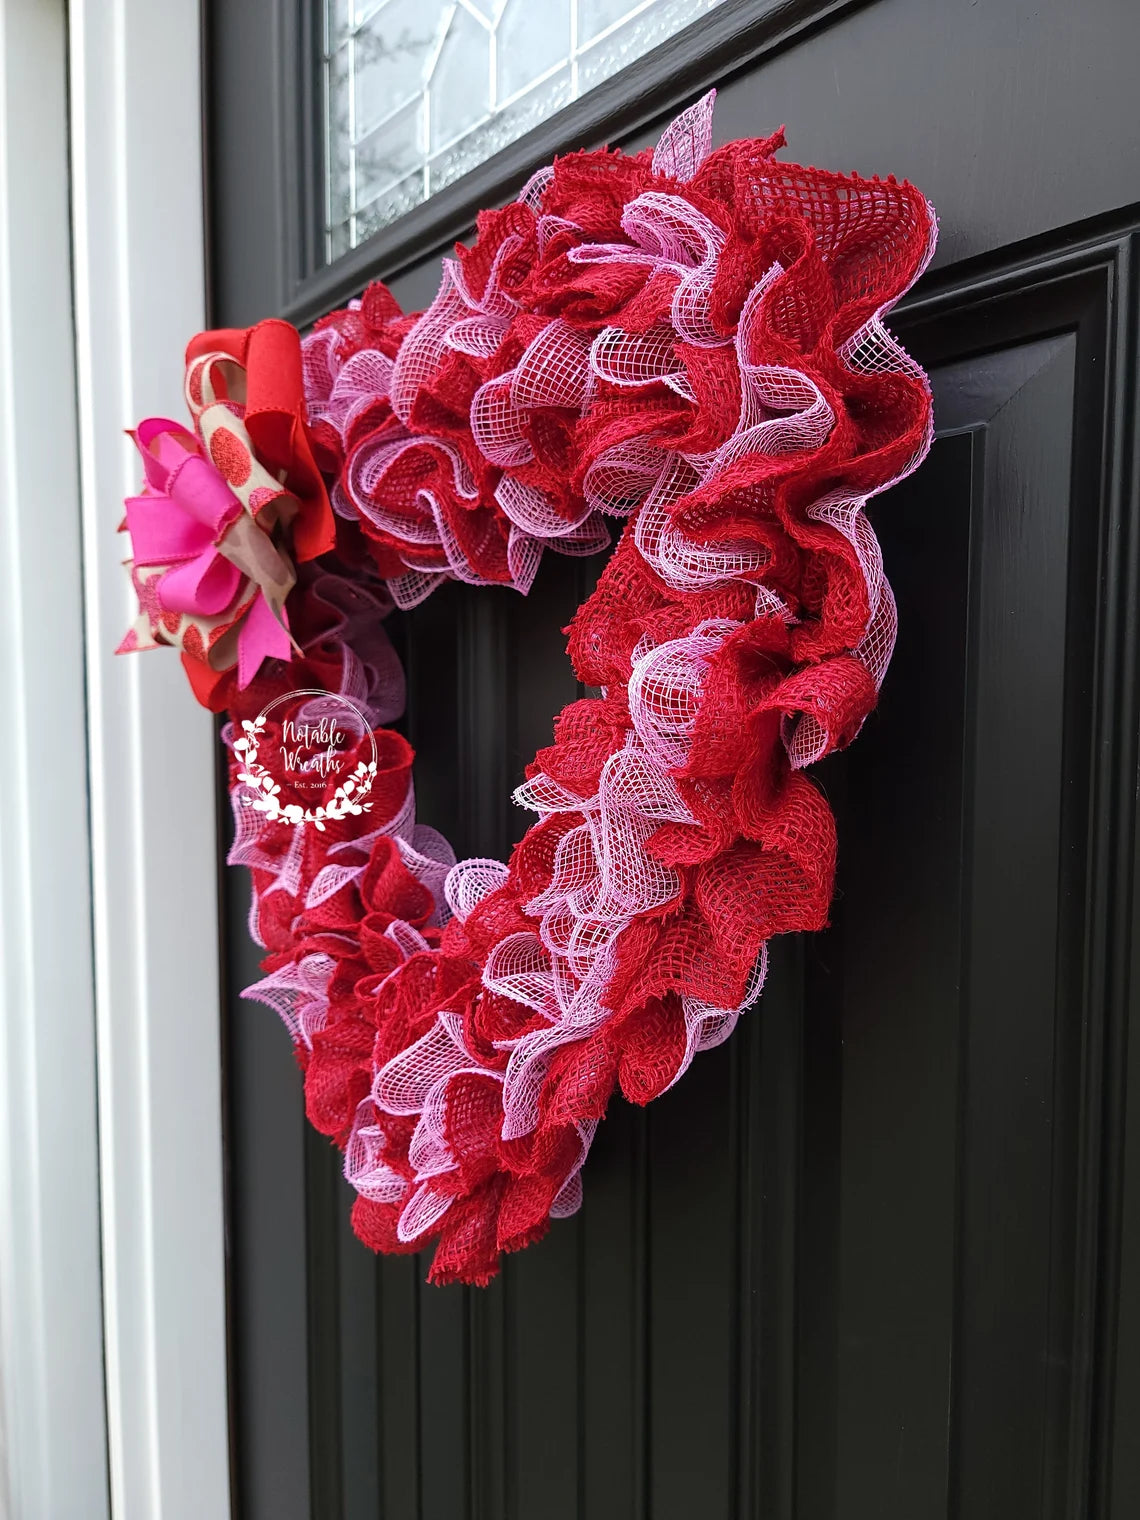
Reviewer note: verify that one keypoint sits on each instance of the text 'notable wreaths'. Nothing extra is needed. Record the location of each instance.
(687, 345)
(343, 791)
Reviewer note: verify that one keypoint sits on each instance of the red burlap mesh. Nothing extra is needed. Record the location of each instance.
(468, 1249)
(580, 1081)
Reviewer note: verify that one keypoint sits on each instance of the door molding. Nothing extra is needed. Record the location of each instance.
(139, 293)
(53, 1438)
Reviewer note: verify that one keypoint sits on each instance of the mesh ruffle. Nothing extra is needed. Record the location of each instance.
(693, 340)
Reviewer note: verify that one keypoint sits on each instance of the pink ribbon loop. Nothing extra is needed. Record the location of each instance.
(184, 523)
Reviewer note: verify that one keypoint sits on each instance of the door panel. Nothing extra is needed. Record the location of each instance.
(875, 1256)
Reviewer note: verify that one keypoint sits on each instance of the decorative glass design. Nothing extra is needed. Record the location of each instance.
(417, 92)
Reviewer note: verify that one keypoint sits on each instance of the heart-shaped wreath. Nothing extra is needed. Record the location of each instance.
(691, 339)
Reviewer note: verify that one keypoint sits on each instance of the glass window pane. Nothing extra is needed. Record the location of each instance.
(338, 23)
(393, 52)
(417, 92)
(339, 160)
(532, 40)
(390, 153)
(513, 121)
(388, 205)
(596, 16)
(617, 45)
(459, 85)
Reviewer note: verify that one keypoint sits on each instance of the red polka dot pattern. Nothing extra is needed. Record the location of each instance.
(231, 456)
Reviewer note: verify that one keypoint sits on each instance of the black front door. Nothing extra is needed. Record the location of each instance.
(877, 1256)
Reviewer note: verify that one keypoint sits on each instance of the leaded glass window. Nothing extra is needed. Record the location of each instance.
(417, 92)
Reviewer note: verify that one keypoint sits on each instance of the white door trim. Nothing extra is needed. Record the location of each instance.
(139, 295)
(51, 1323)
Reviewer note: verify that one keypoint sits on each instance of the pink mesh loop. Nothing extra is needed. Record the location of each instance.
(496, 424)
(479, 337)
(428, 850)
(749, 328)
(782, 411)
(365, 379)
(634, 359)
(470, 881)
(366, 376)
(364, 1164)
(407, 940)
(687, 141)
(399, 826)
(424, 347)
(338, 392)
(631, 778)
(524, 550)
(402, 1086)
(518, 967)
(249, 832)
(554, 369)
(412, 588)
(575, 867)
(569, 1199)
(319, 368)
(535, 188)
(524, 555)
(526, 1075)
(423, 850)
(289, 867)
(619, 480)
(429, 1153)
(666, 688)
(496, 303)
(878, 643)
(429, 858)
(330, 880)
(408, 515)
(423, 1212)
(542, 795)
(590, 537)
(298, 994)
(871, 349)
(847, 517)
(343, 505)
(670, 235)
(679, 562)
(458, 561)
(535, 513)
(550, 227)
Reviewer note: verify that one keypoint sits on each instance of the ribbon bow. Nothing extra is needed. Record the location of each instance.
(216, 577)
